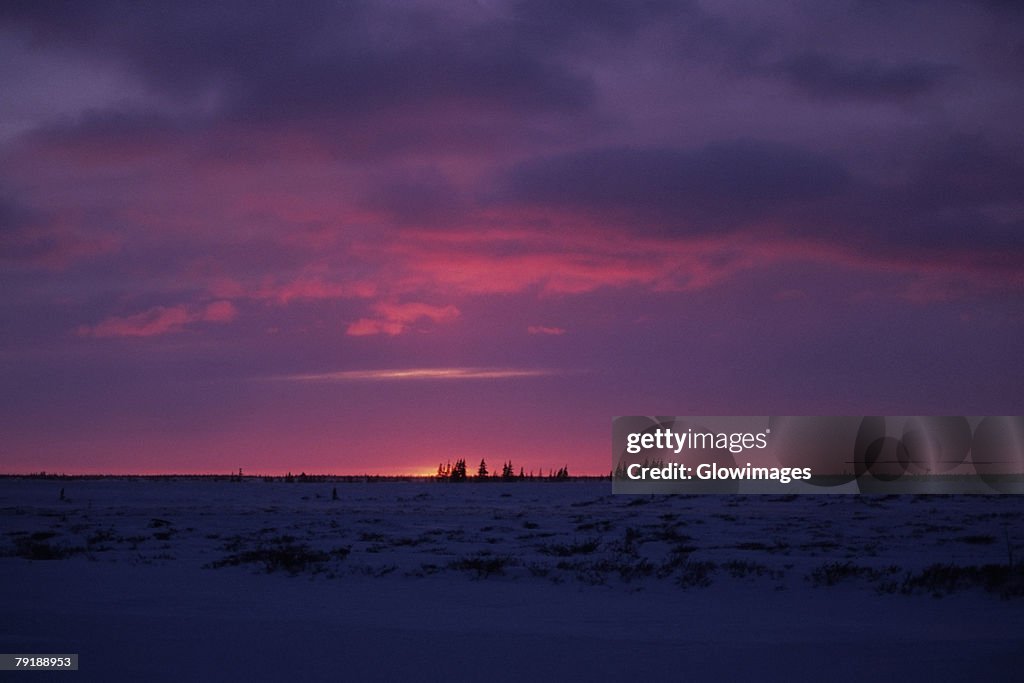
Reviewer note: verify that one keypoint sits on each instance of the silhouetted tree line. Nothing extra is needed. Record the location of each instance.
(447, 471)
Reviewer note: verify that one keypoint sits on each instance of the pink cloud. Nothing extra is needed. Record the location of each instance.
(589, 258)
(313, 288)
(365, 327)
(506, 262)
(160, 320)
(220, 312)
(396, 318)
(155, 321)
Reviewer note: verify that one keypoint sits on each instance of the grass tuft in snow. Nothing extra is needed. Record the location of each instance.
(37, 546)
(943, 579)
(283, 554)
(567, 549)
(832, 573)
(483, 565)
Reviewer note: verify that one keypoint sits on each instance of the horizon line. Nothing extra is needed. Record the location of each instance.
(395, 374)
(229, 475)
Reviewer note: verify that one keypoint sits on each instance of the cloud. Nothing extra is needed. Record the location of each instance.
(52, 240)
(396, 318)
(219, 312)
(112, 136)
(537, 148)
(268, 64)
(421, 374)
(958, 203)
(558, 21)
(696, 190)
(541, 329)
(420, 196)
(830, 76)
(160, 320)
(578, 259)
(312, 288)
(581, 258)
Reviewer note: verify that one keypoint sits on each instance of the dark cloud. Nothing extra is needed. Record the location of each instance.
(702, 189)
(967, 170)
(278, 61)
(482, 76)
(885, 223)
(942, 210)
(958, 203)
(828, 76)
(183, 47)
(560, 21)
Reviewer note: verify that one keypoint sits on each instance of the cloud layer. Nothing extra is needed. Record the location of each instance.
(239, 190)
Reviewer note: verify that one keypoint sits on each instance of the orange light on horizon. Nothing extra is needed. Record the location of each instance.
(420, 373)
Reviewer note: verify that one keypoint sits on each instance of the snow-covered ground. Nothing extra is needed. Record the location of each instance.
(215, 580)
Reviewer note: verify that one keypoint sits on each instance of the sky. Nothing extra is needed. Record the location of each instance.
(374, 236)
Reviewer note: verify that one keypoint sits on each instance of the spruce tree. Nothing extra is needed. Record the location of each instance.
(459, 470)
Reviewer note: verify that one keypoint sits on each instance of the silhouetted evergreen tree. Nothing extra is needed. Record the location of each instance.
(481, 471)
(459, 470)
